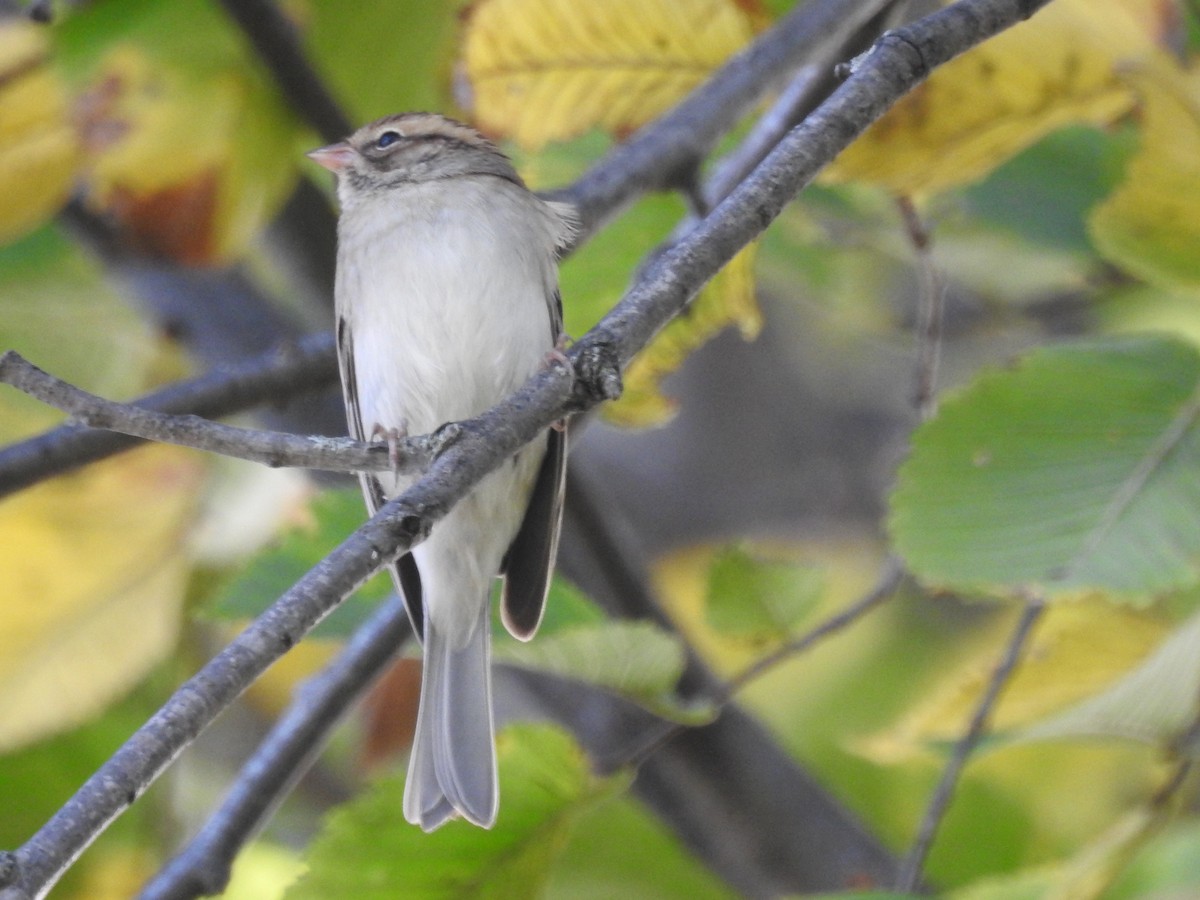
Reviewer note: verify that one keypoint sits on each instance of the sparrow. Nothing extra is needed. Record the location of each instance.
(447, 301)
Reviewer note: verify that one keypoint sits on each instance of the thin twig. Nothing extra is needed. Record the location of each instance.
(885, 586)
(930, 311)
(271, 448)
(203, 866)
(914, 862)
(883, 589)
(901, 60)
(290, 371)
(685, 134)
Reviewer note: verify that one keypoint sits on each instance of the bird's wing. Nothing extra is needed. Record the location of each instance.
(405, 573)
(529, 563)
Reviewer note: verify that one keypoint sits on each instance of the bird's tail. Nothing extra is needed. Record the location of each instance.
(452, 770)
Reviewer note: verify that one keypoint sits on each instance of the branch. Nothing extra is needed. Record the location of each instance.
(900, 60)
(271, 448)
(203, 867)
(643, 164)
(930, 311)
(292, 370)
(910, 874)
(678, 139)
(883, 589)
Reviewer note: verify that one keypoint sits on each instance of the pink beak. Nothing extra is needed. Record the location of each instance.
(335, 157)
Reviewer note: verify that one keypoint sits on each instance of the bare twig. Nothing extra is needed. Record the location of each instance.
(43, 859)
(290, 371)
(271, 448)
(883, 589)
(914, 862)
(900, 60)
(676, 140)
(204, 865)
(930, 307)
(885, 586)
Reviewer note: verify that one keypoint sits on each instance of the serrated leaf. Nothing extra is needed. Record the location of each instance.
(1151, 225)
(1078, 650)
(39, 150)
(543, 70)
(1061, 67)
(752, 598)
(366, 849)
(1076, 470)
(94, 587)
(1155, 703)
(636, 660)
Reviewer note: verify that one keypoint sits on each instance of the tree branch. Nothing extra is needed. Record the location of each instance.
(292, 370)
(899, 61)
(203, 866)
(685, 134)
(271, 448)
(910, 874)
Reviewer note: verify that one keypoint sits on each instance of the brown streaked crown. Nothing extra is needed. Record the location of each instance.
(418, 147)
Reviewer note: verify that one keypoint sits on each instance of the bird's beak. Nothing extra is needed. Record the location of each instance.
(335, 157)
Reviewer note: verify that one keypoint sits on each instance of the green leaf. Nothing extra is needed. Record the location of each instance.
(654, 862)
(636, 660)
(367, 850)
(756, 599)
(384, 57)
(335, 514)
(1076, 470)
(1045, 192)
(1167, 866)
(1085, 874)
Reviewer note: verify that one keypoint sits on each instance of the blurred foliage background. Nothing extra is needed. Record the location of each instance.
(160, 220)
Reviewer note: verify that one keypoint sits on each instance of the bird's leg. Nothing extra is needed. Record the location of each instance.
(556, 354)
(393, 436)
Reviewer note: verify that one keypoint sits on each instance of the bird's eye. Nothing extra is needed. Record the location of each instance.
(387, 139)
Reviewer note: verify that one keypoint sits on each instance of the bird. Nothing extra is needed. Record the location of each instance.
(446, 301)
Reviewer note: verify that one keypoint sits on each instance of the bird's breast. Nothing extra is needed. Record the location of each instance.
(446, 296)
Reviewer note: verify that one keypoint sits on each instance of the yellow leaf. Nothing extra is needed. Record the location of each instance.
(547, 70)
(94, 583)
(1078, 649)
(727, 300)
(1061, 66)
(190, 162)
(38, 146)
(1151, 224)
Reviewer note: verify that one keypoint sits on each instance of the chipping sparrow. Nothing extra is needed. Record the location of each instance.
(447, 301)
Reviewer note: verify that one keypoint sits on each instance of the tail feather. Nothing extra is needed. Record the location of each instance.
(452, 771)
